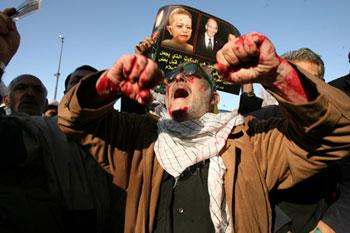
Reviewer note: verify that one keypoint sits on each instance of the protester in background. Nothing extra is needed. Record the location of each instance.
(195, 171)
(51, 108)
(308, 60)
(74, 77)
(337, 217)
(26, 93)
(343, 83)
(304, 204)
(25, 205)
(304, 58)
(180, 28)
(47, 182)
(63, 175)
(248, 101)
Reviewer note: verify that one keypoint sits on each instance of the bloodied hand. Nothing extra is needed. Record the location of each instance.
(132, 76)
(253, 58)
(247, 58)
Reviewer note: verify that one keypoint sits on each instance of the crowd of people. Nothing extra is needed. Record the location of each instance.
(184, 167)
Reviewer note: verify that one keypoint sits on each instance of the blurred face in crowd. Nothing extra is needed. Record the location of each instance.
(211, 27)
(50, 112)
(76, 76)
(310, 67)
(180, 28)
(27, 94)
(189, 96)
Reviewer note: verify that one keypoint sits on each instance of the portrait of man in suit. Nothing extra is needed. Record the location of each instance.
(208, 43)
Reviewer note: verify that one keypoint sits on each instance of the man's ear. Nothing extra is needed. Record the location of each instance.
(6, 100)
(215, 99)
(169, 30)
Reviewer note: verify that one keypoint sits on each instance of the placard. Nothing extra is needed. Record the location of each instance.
(187, 34)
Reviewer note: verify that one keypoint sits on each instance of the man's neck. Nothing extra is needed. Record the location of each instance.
(207, 36)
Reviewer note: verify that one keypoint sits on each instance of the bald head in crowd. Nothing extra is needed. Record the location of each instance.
(27, 94)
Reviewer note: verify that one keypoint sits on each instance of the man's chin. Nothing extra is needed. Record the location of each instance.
(180, 114)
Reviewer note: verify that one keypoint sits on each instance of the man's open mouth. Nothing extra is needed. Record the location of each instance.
(180, 93)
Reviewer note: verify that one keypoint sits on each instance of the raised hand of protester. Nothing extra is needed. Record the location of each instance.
(9, 36)
(253, 58)
(145, 46)
(132, 76)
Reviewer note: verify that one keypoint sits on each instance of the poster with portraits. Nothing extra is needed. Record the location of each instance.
(187, 34)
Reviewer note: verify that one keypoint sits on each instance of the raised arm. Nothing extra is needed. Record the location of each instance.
(252, 58)
(9, 38)
(317, 117)
(132, 76)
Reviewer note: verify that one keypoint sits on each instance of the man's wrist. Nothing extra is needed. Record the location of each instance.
(105, 86)
(288, 84)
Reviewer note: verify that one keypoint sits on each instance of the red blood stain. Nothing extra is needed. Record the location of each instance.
(281, 60)
(240, 41)
(145, 96)
(221, 69)
(261, 59)
(250, 44)
(144, 76)
(291, 86)
(105, 86)
(178, 112)
(190, 79)
(260, 38)
(224, 71)
(128, 89)
(185, 109)
(144, 93)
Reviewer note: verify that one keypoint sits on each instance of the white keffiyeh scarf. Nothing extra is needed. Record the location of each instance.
(182, 144)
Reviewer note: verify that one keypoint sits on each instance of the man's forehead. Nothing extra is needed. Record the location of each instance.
(180, 17)
(212, 22)
(27, 79)
(311, 67)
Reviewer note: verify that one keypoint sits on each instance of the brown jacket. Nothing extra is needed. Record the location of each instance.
(259, 156)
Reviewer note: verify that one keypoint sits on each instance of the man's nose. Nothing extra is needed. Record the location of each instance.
(180, 78)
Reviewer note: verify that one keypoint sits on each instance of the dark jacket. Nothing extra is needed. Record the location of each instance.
(202, 48)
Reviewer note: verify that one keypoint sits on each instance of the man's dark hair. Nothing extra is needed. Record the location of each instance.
(83, 67)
